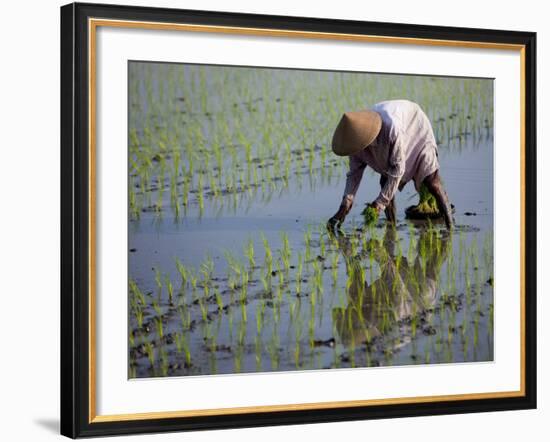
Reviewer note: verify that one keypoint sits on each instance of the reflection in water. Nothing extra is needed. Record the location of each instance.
(402, 291)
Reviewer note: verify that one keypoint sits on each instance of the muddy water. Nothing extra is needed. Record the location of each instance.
(404, 307)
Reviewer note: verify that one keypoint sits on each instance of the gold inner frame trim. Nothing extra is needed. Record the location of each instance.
(93, 24)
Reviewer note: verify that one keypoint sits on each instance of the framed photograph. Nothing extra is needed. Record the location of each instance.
(273, 220)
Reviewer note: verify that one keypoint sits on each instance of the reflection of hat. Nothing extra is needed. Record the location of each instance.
(355, 131)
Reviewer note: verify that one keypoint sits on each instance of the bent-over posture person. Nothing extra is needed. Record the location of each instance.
(396, 139)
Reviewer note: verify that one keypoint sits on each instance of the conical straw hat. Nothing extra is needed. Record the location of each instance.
(355, 131)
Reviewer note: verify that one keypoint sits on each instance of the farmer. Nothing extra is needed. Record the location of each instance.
(396, 139)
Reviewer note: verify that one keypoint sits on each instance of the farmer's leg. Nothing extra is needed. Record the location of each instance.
(390, 208)
(435, 186)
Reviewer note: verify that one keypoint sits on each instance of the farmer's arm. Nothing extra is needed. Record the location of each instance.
(394, 173)
(353, 179)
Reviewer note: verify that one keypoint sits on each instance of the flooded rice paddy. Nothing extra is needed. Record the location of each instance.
(231, 267)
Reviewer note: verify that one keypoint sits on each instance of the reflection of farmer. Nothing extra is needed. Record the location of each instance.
(396, 139)
(402, 290)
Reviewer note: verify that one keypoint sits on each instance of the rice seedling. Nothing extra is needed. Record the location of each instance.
(281, 273)
(150, 352)
(164, 363)
(232, 263)
(136, 293)
(258, 353)
(219, 300)
(200, 194)
(203, 309)
(317, 276)
(322, 245)
(272, 348)
(158, 321)
(132, 370)
(178, 340)
(266, 283)
(249, 253)
(170, 289)
(268, 259)
(285, 251)
(207, 270)
(244, 285)
(260, 312)
(299, 271)
(193, 279)
(307, 242)
(158, 280)
(184, 275)
(138, 313)
(185, 318)
(186, 349)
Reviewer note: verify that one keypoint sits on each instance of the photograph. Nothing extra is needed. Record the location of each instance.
(289, 219)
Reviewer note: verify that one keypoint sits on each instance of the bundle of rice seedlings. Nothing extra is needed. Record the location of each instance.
(371, 216)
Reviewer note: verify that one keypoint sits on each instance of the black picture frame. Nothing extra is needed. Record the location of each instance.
(75, 220)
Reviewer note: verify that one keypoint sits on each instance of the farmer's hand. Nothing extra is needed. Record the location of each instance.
(338, 218)
(336, 221)
(376, 205)
(333, 223)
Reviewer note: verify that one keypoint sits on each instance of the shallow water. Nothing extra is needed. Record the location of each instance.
(412, 295)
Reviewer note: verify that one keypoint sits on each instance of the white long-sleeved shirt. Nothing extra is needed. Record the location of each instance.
(404, 149)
